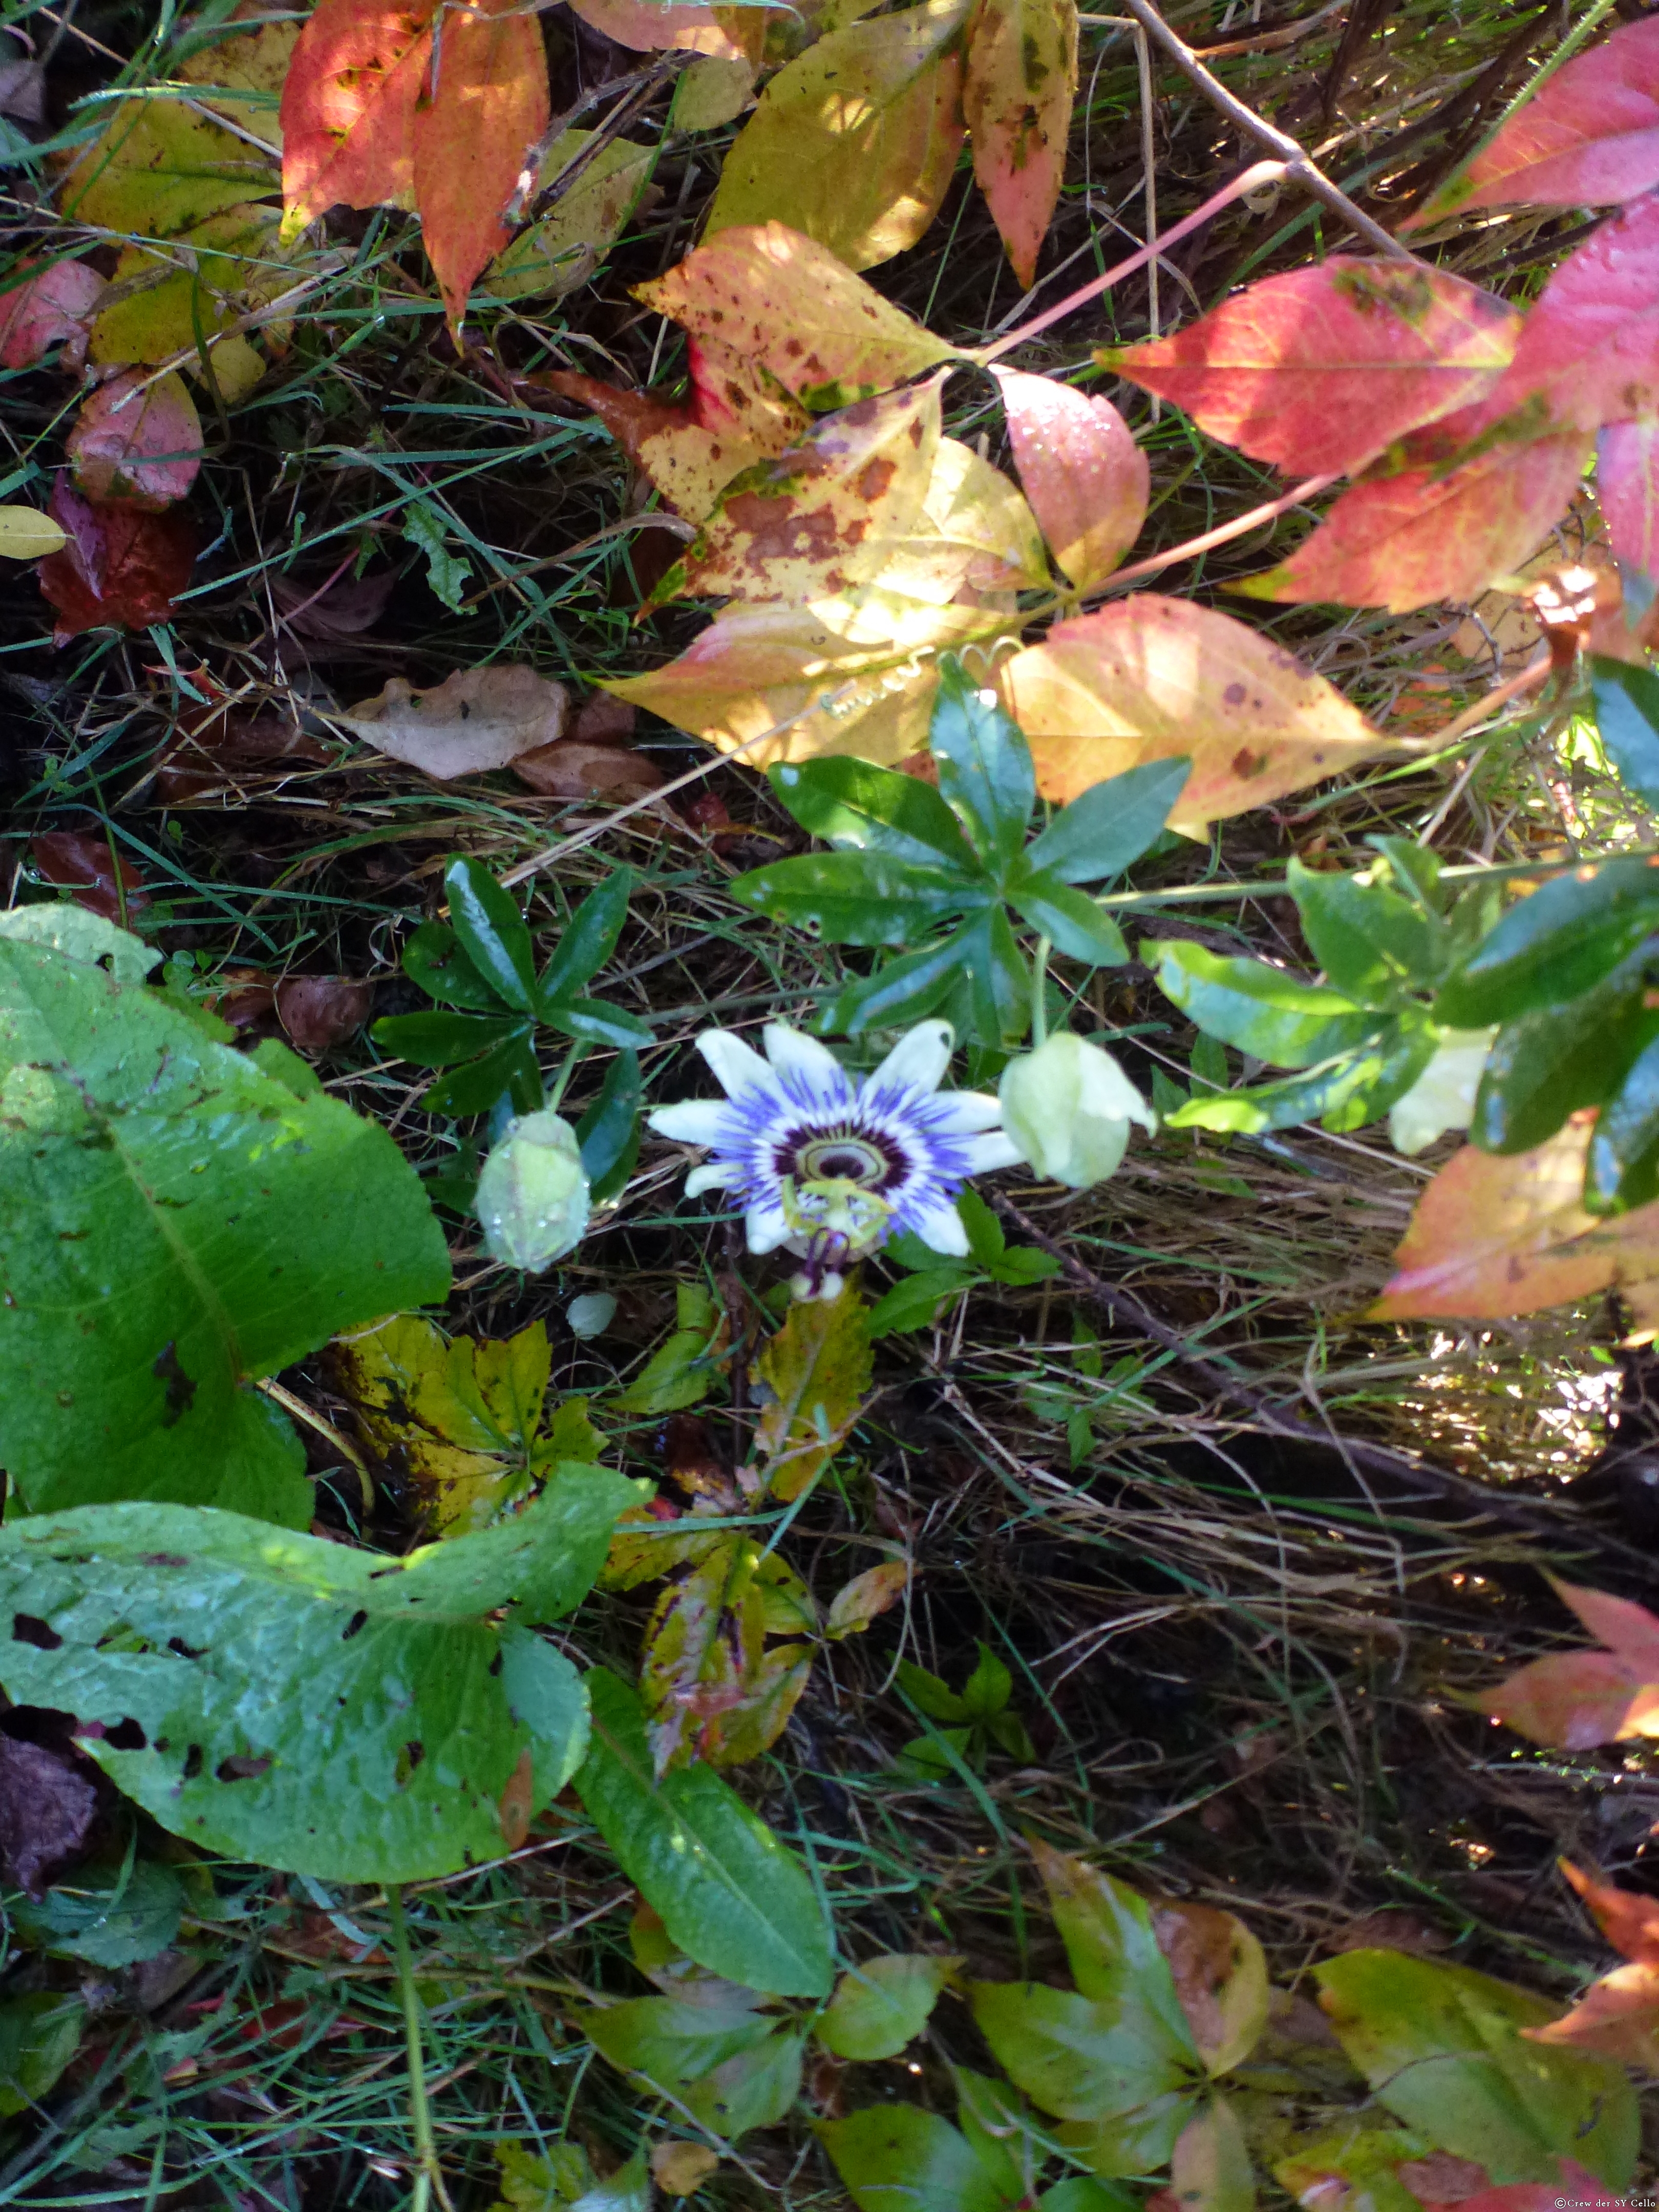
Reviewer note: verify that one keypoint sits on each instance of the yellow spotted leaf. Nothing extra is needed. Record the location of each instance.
(159, 166)
(562, 249)
(1021, 80)
(1153, 678)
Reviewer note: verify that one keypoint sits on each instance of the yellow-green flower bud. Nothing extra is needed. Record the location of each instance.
(1068, 1106)
(1442, 1096)
(532, 1194)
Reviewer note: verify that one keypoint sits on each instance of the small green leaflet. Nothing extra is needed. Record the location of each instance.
(728, 1892)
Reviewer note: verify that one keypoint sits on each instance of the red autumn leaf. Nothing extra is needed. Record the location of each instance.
(52, 307)
(1628, 1920)
(320, 1011)
(136, 441)
(1588, 351)
(348, 110)
(1321, 369)
(1627, 485)
(488, 107)
(122, 569)
(1574, 1700)
(1496, 1235)
(1082, 472)
(1405, 541)
(1577, 2188)
(82, 864)
(1590, 138)
(1017, 100)
(1617, 2017)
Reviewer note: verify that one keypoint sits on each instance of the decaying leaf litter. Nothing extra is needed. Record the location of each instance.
(1237, 1663)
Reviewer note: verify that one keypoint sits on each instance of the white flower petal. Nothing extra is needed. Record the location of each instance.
(917, 1062)
(939, 1227)
(810, 1068)
(737, 1066)
(690, 1120)
(766, 1226)
(963, 1113)
(715, 1175)
(995, 1150)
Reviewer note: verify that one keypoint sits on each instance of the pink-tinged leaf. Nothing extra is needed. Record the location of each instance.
(1588, 351)
(1617, 2017)
(52, 308)
(1626, 1628)
(769, 300)
(1320, 370)
(122, 569)
(1084, 476)
(1016, 97)
(855, 141)
(348, 110)
(1628, 1920)
(137, 439)
(1627, 485)
(1405, 541)
(645, 26)
(1577, 2187)
(1574, 1701)
(487, 108)
(1497, 1235)
(1152, 678)
(1590, 138)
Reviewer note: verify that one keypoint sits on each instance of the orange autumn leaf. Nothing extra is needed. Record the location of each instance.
(1497, 1235)
(1618, 2016)
(1574, 1700)
(348, 109)
(487, 106)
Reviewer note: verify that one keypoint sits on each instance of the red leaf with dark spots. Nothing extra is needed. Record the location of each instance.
(1322, 369)
(122, 569)
(320, 1011)
(77, 862)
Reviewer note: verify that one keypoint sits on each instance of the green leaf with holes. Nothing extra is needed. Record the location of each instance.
(178, 1223)
(284, 1699)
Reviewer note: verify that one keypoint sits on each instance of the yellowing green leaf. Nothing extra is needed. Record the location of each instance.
(716, 1687)
(857, 1603)
(563, 250)
(855, 143)
(1210, 2167)
(682, 1372)
(816, 1369)
(25, 534)
(170, 297)
(711, 92)
(160, 167)
(883, 2004)
(240, 76)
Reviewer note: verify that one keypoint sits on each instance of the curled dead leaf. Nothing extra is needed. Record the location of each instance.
(571, 770)
(476, 720)
(84, 866)
(320, 1011)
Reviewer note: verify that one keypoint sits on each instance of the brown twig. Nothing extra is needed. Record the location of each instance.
(1362, 1460)
(1300, 169)
(1267, 42)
